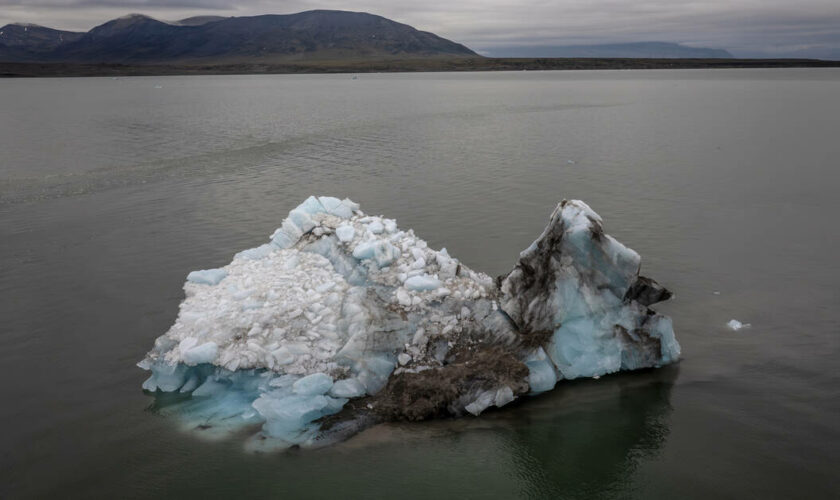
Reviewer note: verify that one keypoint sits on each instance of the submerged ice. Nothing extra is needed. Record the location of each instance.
(343, 320)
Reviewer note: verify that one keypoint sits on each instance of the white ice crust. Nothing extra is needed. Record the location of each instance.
(300, 308)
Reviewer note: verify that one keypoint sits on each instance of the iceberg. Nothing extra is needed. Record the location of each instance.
(343, 320)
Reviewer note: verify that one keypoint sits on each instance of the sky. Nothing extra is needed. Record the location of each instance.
(747, 28)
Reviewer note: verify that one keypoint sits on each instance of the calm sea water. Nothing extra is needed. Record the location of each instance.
(727, 182)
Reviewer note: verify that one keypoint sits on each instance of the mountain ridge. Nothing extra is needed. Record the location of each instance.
(24, 38)
(314, 34)
(647, 50)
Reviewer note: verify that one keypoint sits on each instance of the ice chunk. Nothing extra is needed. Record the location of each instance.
(345, 232)
(191, 383)
(205, 353)
(207, 276)
(337, 207)
(403, 297)
(584, 347)
(494, 397)
(347, 388)
(736, 325)
(382, 252)
(282, 239)
(504, 396)
(373, 372)
(596, 302)
(287, 418)
(187, 343)
(310, 385)
(424, 282)
(257, 253)
(210, 387)
(541, 374)
(166, 377)
(311, 206)
(481, 403)
(302, 220)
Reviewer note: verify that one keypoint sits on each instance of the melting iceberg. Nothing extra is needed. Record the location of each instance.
(344, 320)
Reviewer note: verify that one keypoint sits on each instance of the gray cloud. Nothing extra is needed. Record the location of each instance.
(746, 27)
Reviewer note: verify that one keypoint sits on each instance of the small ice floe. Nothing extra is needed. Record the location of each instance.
(571, 162)
(736, 325)
(158, 86)
(716, 292)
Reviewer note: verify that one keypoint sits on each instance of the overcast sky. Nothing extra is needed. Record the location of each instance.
(745, 27)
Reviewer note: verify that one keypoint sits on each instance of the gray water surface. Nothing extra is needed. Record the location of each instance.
(725, 181)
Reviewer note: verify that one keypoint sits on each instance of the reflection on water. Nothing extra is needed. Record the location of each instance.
(585, 439)
(585, 450)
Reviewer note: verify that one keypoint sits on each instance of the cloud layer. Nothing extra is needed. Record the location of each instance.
(745, 27)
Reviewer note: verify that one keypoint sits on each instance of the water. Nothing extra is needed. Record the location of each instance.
(723, 180)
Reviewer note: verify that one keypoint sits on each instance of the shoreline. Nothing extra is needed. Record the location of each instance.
(36, 69)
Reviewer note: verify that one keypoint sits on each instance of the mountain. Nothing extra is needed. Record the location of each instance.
(650, 50)
(31, 39)
(311, 35)
(824, 53)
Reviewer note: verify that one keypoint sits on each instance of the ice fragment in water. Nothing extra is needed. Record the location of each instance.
(736, 325)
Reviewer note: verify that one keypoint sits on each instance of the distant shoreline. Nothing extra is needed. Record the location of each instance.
(24, 70)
